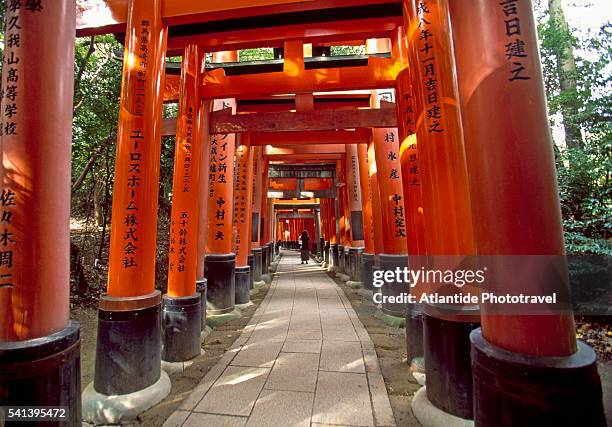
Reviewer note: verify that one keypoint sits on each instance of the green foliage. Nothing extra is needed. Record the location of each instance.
(347, 50)
(96, 108)
(256, 54)
(584, 171)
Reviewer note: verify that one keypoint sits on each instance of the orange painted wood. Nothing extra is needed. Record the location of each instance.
(377, 221)
(445, 189)
(304, 102)
(107, 16)
(353, 188)
(319, 120)
(311, 184)
(134, 214)
(321, 103)
(333, 218)
(282, 184)
(264, 213)
(514, 192)
(205, 109)
(358, 136)
(379, 73)
(409, 158)
(366, 199)
(243, 200)
(323, 215)
(389, 171)
(220, 180)
(35, 170)
(341, 179)
(258, 190)
(306, 158)
(184, 217)
(314, 151)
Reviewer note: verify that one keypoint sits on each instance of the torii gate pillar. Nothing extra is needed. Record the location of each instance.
(528, 368)
(448, 230)
(39, 345)
(258, 188)
(128, 351)
(243, 192)
(392, 209)
(367, 257)
(354, 202)
(220, 261)
(182, 306)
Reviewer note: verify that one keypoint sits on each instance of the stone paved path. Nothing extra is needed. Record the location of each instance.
(304, 359)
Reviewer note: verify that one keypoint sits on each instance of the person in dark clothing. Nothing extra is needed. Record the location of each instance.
(305, 248)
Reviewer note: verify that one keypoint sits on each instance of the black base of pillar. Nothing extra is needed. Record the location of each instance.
(447, 365)
(201, 289)
(271, 253)
(219, 270)
(341, 259)
(128, 350)
(251, 263)
(182, 326)
(367, 262)
(389, 262)
(321, 247)
(512, 389)
(354, 264)
(414, 331)
(43, 371)
(264, 259)
(327, 252)
(348, 261)
(376, 291)
(335, 254)
(243, 284)
(257, 264)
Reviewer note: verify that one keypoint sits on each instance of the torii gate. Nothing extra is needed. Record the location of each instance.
(453, 171)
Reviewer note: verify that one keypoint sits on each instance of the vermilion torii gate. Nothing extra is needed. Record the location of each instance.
(424, 162)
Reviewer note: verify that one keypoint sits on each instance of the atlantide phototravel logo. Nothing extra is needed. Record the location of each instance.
(501, 284)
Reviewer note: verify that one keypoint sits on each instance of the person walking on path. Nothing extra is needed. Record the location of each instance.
(305, 247)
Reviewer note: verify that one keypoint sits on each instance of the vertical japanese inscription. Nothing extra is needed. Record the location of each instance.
(427, 60)
(136, 142)
(393, 173)
(7, 241)
(179, 248)
(242, 186)
(217, 178)
(12, 88)
(408, 118)
(220, 185)
(515, 49)
(355, 175)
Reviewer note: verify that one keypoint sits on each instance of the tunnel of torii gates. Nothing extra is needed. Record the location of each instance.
(432, 145)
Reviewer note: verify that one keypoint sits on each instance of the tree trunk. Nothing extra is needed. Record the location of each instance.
(78, 271)
(566, 70)
(99, 203)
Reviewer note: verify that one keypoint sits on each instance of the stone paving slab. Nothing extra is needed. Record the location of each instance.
(302, 346)
(304, 359)
(261, 354)
(294, 371)
(235, 392)
(197, 419)
(343, 398)
(282, 408)
(304, 335)
(343, 356)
